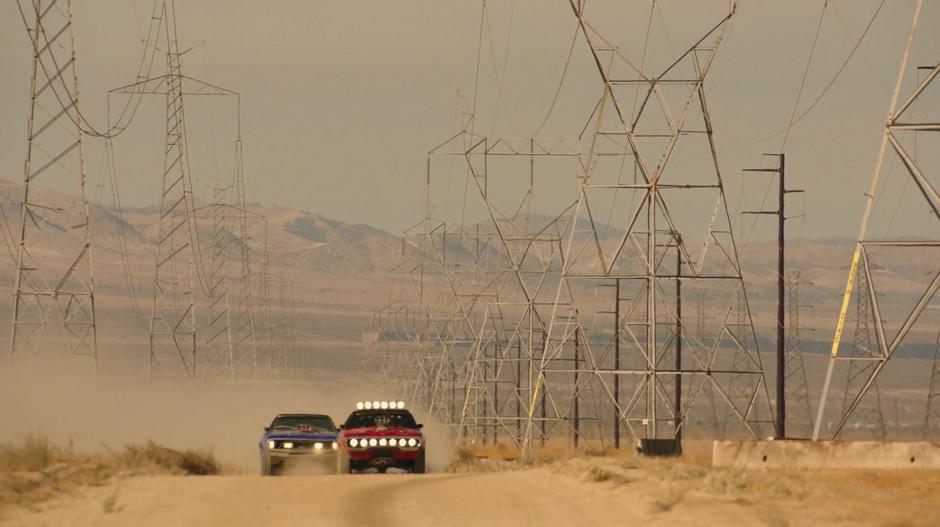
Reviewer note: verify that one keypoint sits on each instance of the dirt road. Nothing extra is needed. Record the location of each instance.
(513, 498)
(572, 492)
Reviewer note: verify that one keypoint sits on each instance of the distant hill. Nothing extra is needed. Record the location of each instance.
(296, 237)
(309, 242)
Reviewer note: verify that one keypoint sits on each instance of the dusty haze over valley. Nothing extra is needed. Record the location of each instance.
(583, 262)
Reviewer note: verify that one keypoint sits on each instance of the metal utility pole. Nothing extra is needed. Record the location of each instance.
(615, 384)
(678, 401)
(782, 191)
(617, 363)
(55, 157)
(576, 432)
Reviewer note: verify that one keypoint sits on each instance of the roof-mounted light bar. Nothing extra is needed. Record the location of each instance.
(380, 405)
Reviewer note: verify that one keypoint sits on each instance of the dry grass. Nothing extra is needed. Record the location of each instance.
(466, 461)
(34, 469)
(163, 459)
(665, 501)
(773, 496)
(674, 487)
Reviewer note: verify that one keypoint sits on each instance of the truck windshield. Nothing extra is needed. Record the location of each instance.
(304, 423)
(400, 418)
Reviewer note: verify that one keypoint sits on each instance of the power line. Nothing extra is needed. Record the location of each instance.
(825, 90)
(809, 62)
(79, 119)
(561, 82)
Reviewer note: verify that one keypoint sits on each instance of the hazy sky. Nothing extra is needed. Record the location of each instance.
(341, 100)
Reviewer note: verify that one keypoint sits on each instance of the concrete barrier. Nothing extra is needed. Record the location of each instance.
(826, 454)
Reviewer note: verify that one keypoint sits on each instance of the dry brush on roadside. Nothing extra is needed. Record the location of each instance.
(677, 488)
(35, 469)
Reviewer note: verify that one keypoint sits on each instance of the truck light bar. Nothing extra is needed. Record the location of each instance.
(380, 405)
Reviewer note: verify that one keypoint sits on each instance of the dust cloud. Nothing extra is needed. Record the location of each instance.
(225, 418)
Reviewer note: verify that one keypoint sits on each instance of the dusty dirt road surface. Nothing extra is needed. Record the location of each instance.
(580, 491)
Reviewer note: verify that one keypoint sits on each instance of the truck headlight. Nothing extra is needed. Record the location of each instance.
(373, 442)
(270, 444)
(354, 442)
(335, 446)
(383, 442)
(412, 442)
(287, 444)
(318, 446)
(393, 442)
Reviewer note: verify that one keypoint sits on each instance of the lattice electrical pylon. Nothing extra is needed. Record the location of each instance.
(219, 341)
(173, 312)
(449, 266)
(178, 269)
(448, 272)
(243, 325)
(893, 324)
(450, 287)
(797, 386)
(868, 411)
(230, 328)
(709, 416)
(673, 210)
(508, 294)
(267, 351)
(53, 252)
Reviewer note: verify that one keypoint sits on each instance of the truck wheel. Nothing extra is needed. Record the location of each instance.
(342, 462)
(265, 465)
(418, 467)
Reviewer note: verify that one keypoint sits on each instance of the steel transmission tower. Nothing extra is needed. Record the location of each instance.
(516, 300)
(230, 327)
(219, 338)
(656, 209)
(892, 324)
(53, 252)
(869, 411)
(799, 416)
(548, 361)
(508, 308)
(243, 329)
(179, 273)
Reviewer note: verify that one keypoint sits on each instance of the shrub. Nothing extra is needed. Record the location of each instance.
(189, 462)
(34, 452)
(34, 469)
